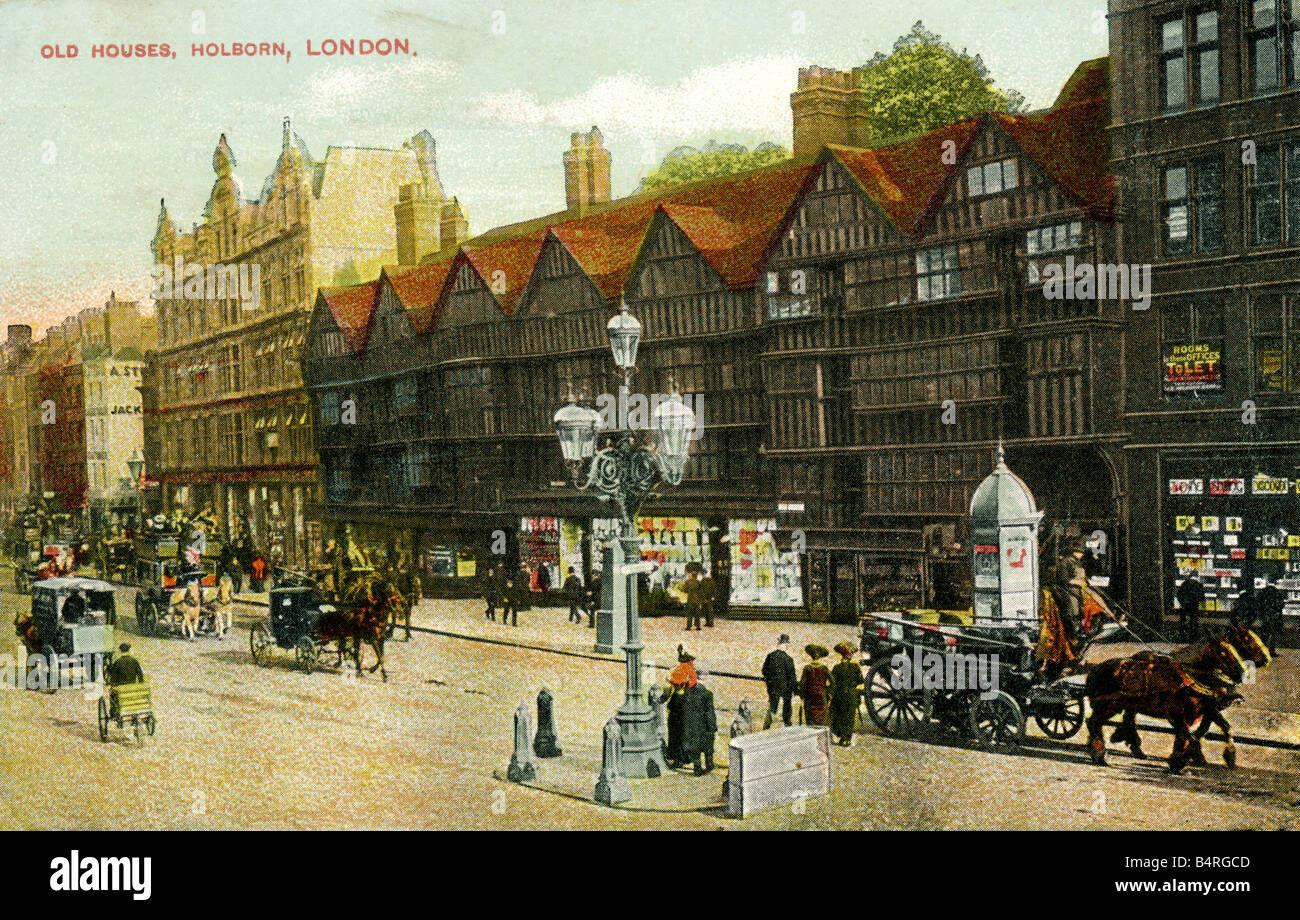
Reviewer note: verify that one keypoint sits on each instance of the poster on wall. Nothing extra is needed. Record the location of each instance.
(762, 575)
(1193, 369)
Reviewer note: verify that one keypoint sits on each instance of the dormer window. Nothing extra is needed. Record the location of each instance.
(992, 178)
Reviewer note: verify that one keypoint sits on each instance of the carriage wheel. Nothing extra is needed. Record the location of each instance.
(150, 724)
(1061, 722)
(897, 711)
(997, 723)
(138, 725)
(305, 652)
(103, 720)
(260, 642)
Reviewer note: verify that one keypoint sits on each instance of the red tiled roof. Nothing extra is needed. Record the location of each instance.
(513, 257)
(907, 180)
(1072, 145)
(352, 308)
(418, 289)
(1090, 80)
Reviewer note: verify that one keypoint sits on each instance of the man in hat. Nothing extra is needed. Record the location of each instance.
(1071, 579)
(708, 598)
(124, 669)
(574, 594)
(699, 728)
(781, 680)
(694, 597)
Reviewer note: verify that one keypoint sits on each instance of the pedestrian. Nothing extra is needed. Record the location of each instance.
(574, 593)
(1190, 596)
(681, 679)
(228, 564)
(699, 727)
(1269, 608)
(708, 598)
(593, 599)
(257, 572)
(781, 680)
(846, 694)
(814, 687)
(691, 588)
(518, 596)
(492, 591)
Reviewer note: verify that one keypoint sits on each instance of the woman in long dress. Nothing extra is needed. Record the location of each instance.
(846, 692)
(814, 687)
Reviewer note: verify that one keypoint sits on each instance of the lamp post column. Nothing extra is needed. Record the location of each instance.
(642, 748)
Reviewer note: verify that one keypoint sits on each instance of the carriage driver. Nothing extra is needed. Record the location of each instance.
(1071, 580)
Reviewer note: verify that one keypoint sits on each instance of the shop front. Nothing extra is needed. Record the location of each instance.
(1233, 523)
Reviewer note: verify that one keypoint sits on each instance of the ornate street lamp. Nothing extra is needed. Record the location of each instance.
(136, 467)
(622, 474)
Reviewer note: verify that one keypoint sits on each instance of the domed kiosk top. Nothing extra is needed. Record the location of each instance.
(1002, 498)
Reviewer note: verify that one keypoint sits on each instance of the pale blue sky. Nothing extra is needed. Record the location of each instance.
(87, 147)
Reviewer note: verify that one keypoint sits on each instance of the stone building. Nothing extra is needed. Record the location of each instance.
(1206, 148)
(235, 429)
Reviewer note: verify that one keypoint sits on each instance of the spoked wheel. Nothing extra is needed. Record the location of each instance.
(305, 652)
(150, 724)
(1061, 720)
(997, 723)
(897, 711)
(137, 724)
(103, 719)
(260, 642)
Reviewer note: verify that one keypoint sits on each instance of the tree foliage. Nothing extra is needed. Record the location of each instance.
(688, 165)
(924, 84)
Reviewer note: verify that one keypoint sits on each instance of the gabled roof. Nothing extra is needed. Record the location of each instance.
(351, 308)
(512, 256)
(1090, 80)
(907, 180)
(1072, 146)
(418, 289)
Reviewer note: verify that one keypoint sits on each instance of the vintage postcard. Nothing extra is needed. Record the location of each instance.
(624, 415)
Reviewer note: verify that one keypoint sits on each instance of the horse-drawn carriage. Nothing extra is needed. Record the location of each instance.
(303, 622)
(73, 621)
(116, 558)
(984, 681)
(162, 577)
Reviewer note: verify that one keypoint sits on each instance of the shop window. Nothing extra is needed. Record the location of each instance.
(1275, 344)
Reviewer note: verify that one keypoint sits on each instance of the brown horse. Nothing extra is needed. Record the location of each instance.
(1182, 692)
(362, 618)
(1250, 647)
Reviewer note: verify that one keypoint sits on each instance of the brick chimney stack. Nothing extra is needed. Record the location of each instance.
(417, 215)
(829, 107)
(586, 171)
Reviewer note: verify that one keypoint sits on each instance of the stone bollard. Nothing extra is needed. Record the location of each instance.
(521, 758)
(545, 743)
(612, 786)
(743, 723)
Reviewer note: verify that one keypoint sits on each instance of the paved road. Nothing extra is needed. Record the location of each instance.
(247, 746)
